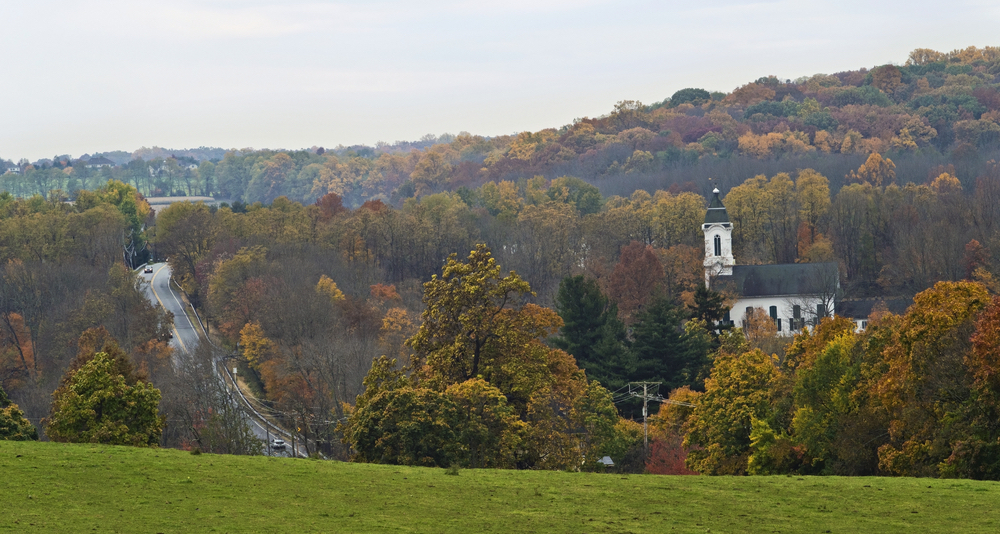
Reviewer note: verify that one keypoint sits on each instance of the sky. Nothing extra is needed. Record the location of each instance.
(100, 75)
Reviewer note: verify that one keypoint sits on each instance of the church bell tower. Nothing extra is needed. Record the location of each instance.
(718, 240)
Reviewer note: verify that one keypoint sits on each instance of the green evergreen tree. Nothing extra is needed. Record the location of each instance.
(592, 332)
(664, 351)
(710, 307)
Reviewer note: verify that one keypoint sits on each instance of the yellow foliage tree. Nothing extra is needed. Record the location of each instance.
(326, 286)
(887, 78)
(851, 143)
(923, 56)
(749, 94)
(822, 141)
(501, 199)
(946, 183)
(877, 171)
(256, 347)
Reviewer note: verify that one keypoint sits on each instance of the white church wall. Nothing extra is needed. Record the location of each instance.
(785, 308)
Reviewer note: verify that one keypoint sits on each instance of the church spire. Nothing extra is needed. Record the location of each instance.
(718, 231)
(716, 211)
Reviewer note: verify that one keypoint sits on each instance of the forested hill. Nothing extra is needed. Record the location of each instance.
(937, 109)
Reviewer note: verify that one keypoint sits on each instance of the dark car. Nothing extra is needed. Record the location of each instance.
(148, 269)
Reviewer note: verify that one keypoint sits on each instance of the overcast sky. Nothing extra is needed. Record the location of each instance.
(90, 76)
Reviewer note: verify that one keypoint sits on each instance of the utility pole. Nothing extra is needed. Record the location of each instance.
(645, 410)
(294, 454)
(646, 397)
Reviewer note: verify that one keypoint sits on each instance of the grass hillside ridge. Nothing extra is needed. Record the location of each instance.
(52, 487)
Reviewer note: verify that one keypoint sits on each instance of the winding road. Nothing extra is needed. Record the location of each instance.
(186, 336)
(158, 290)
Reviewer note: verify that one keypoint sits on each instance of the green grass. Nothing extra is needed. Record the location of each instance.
(84, 488)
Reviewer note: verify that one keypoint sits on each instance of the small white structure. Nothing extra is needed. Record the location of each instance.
(859, 310)
(793, 295)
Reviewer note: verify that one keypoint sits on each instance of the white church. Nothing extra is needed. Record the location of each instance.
(794, 295)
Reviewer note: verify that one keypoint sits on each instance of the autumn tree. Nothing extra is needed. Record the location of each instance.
(465, 316)
(204, 413)
(102, 400)
(876, 170)
(480, 348)
(690, 96)
(583, 196)
(13, 425)
(976, 456)
(925, 378)
(736, 394)
(887, 78)
(813, 192)
(269, 177)
(184, 233)
(765, 215)
(635, 279)
(431, 172)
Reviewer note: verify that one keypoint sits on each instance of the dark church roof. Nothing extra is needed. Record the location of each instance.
(716, 211)
(781, 280)
(862, 308)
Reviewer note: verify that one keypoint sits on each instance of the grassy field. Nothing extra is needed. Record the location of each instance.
(49, 487)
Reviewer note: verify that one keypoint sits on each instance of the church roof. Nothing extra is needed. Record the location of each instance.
(716, 211)
(862, 308)
(781, 280)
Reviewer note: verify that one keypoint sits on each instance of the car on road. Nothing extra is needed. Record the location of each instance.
(278, 444)
(148, 269)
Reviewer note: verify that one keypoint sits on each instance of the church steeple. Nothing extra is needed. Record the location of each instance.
(718, 230)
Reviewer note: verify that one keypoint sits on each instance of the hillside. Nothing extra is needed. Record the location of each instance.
(51, 487)
(935, 109)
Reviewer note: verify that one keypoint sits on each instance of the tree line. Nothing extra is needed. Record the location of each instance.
(346, 320)
(936, 109)
(608, 289)
(911, 395)
(70, 301)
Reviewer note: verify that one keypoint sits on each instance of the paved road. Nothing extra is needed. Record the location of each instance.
(158, 290)
(187, 334)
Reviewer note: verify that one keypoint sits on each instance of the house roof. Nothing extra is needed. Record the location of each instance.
(781, 280)
(716, 211)
(862, 308)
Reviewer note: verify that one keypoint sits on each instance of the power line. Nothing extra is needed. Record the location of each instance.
(646, 395)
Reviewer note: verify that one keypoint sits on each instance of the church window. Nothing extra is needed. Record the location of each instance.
(773, 312)
(820, 311)
(718, 246)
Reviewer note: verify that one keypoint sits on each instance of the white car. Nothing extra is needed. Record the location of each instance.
(278, 444)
